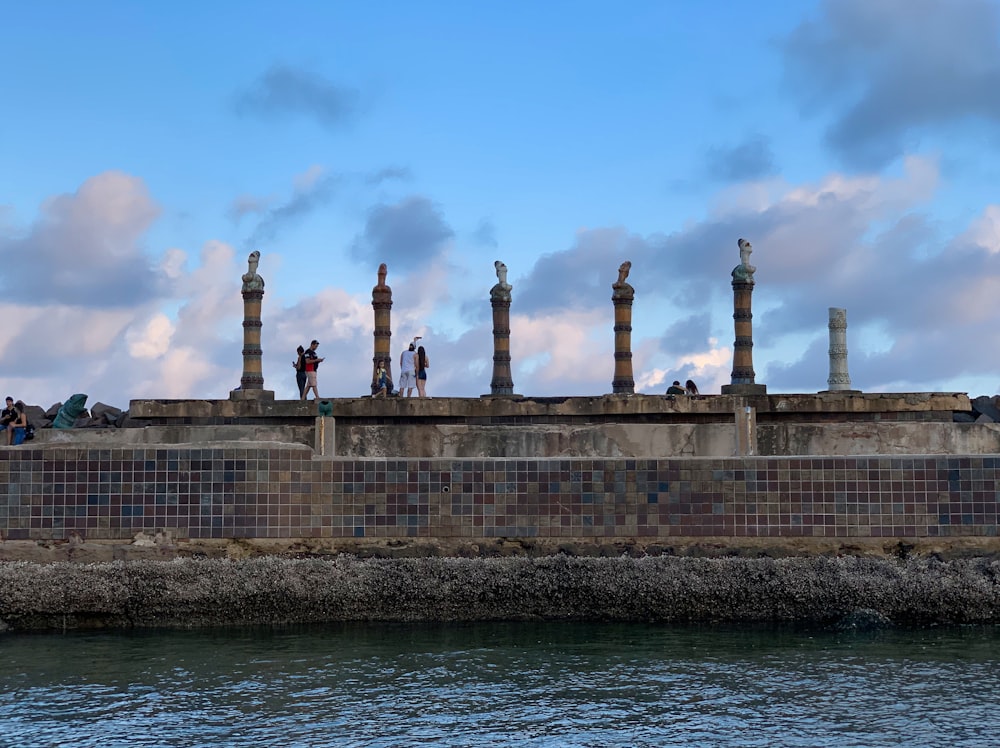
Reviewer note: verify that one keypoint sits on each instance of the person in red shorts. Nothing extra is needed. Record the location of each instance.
(312, 362)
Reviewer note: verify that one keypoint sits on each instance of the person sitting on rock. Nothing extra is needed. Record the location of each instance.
(17, 428)
(676, 389)
(8, 415)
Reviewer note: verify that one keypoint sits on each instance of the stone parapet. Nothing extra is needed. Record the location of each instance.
(515, 409)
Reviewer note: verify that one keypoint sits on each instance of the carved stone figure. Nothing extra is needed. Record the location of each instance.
(382, 272)
(70, 411)
(623, 270)
(501, 291)
(502, 276)
(251, 280)
(744, 271)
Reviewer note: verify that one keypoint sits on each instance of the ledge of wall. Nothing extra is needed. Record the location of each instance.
(512, 409)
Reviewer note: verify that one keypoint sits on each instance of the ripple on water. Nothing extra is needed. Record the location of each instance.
(533, 685)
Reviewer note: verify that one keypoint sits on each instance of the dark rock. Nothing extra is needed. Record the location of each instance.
(106, 413)
(36, 416)
(655, 549)
(963, 418)
(138, 589)
(863, 619)
(985, 406)
(902, 549)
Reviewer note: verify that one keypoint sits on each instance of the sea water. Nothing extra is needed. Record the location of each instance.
(492, 684)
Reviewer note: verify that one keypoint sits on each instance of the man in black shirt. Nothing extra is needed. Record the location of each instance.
(8, 414)
(312, 362)
(676, 389)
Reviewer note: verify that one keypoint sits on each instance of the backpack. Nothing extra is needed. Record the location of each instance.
(29, 432)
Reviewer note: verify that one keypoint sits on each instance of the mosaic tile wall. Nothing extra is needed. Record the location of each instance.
(282, 493)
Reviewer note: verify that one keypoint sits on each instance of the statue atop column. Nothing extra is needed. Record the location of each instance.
(622, 295)
(252, 382)
(620, 287)
(743, 376)
(382, 306)
(744, 271)
(501, 291)
(500, 298)
(251, 280)
(383, 271)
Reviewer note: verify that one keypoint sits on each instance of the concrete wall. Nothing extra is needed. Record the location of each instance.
(602, 426)
(664, 440)
(557, 440)
(177, 435)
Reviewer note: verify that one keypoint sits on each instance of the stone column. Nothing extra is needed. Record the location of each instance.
(746, 429)
(500, 299)
(742, 382)
(622, 295)
(325, 432)
(382, 304)
(839, 380)
(252, 381)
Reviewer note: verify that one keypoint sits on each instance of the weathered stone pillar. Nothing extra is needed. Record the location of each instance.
(382, 304)
(622, 295)
(252, 381)
(746, 429)
(500, 299)
(839, 380)
(743, 283)
(325, 436)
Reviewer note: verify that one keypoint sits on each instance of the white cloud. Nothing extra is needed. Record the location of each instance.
(573, 354)
(152, 340)
(173, 263)
(985, 230)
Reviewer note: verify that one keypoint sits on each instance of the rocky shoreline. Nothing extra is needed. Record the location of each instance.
(273, 590)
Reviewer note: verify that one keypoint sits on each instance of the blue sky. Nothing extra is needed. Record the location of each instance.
(146, 148)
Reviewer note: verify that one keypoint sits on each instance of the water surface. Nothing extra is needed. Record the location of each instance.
(493, 685)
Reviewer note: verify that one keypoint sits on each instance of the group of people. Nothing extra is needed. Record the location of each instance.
(14, 422)
(306, 363)
(413, 366)
(689, 388)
